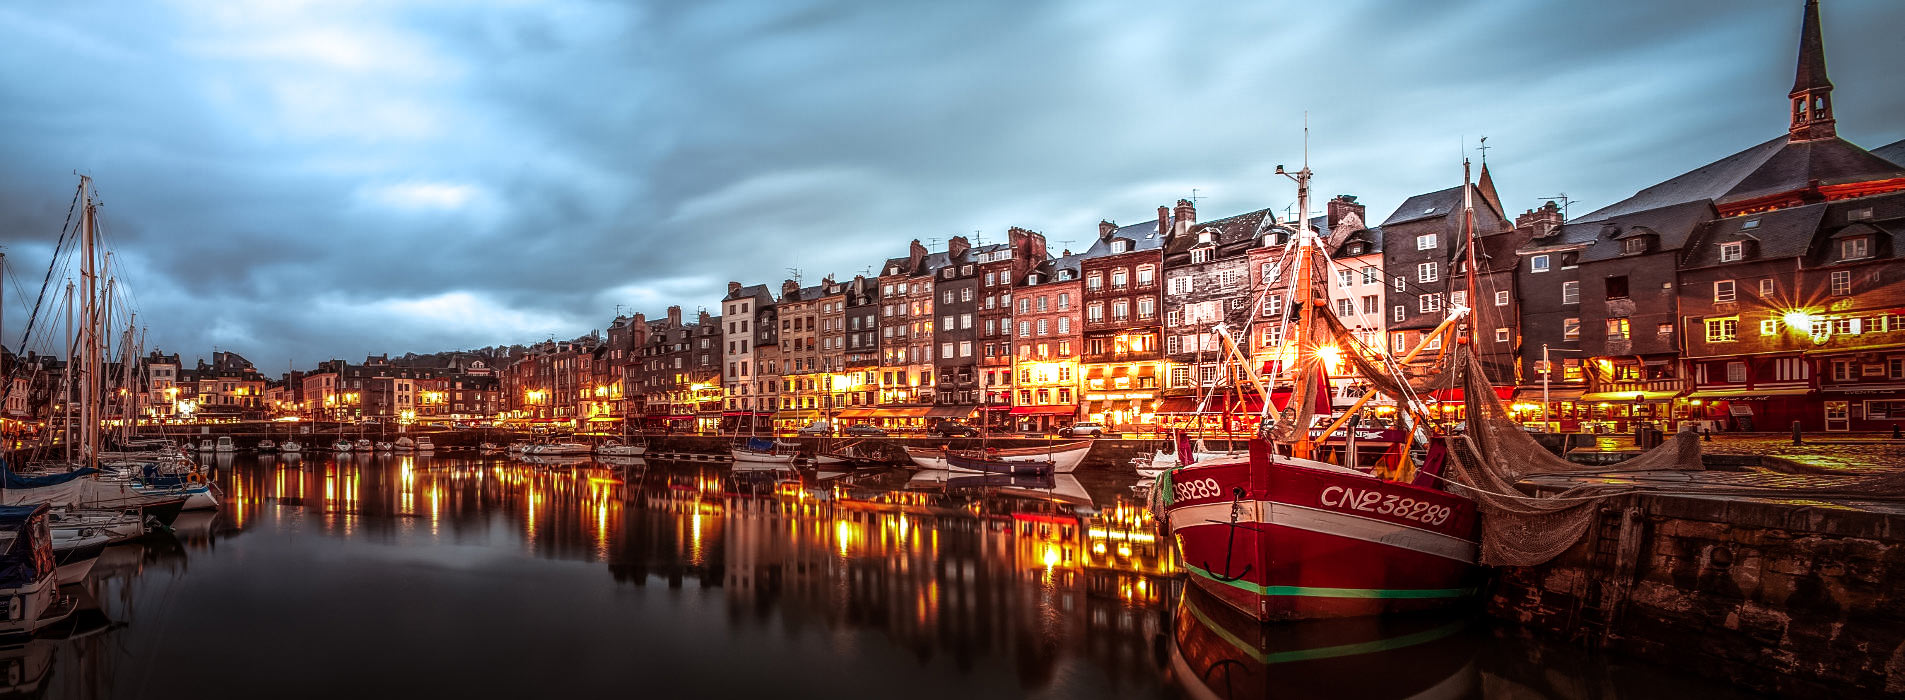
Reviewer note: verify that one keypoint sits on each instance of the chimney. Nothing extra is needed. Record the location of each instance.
(1342, 205)
(674, 315)
(734, 289)
(1186, 212)
(1164, 220)
(1540, 222)
(705, 319)
(788, 288)
(1028, 250)
(1105, 229)
(915, 256)
(956, 249)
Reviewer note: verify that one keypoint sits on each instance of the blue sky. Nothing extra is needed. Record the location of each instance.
(300, 181)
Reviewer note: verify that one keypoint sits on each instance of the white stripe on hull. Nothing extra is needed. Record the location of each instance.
(1329, 523)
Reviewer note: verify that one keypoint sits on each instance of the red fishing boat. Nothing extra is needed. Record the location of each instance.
(1323, 518)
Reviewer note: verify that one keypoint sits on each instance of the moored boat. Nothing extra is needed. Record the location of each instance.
(29, 575)
(291, 447)
(424, 446)
(1063, 457)
(763, 451)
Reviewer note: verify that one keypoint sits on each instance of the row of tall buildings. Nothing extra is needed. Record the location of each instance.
(1749, 293)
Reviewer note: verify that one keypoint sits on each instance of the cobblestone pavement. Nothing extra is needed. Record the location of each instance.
(1855, 453)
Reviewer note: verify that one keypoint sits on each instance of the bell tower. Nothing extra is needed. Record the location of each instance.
(1811, 98)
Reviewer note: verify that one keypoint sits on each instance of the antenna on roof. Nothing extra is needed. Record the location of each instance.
(1195, 198)
(978, 238)
(1066, 243)
(1565, 202)
(794, 272)
(618, 310)
(1484, 149)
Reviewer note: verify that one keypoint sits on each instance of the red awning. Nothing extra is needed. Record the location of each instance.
(1456, 395)
(1177, 405)
(1061, 410)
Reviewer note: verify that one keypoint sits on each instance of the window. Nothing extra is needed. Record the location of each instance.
(1842, 371)
(1861, 214)
(1631, 246)
(1064, 324)
(1369, 304)
(1854, 248)
(1733, 251)
(1271, 273)
(1501, 298)
(1723, 291)
(1273, 305)
(1769, 327)
(1371, 275)
(1401, 311)
(1427, 303)
(1120, 246)
(1346, 307)
(1400, 281)
(1120, 278)
(1736, 372)
(1841, 282)
(1399, 341)
(1171, 344)
(1617, 329)
(1571, 292)
(1095, 281)
(1501, 335)
(1617, 287)
(1846, 326)
(1345, 278)
(1200, 255)
(1425, 242)
(1895, 367)
(1766, 287)
(1427, 272)
(965, 348)
(1749, 225)
(1171, 318)
(1147, 275)
(1538, 263)
(946, 350)
(1147, 308)
(1723, 330)
(1120, 310)
(1459, 298)
(1025, 329)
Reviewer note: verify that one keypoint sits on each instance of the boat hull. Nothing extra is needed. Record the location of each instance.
(1064, 458)
(1283, 540)
(76, 558)
(750, 456)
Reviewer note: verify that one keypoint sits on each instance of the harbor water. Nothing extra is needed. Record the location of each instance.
(463, 576)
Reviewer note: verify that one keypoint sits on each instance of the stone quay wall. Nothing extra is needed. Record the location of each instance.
(1801, 598)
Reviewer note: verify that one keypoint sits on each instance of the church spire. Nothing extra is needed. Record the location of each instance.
(1811, 97)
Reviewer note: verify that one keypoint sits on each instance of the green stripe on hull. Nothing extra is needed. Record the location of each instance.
(1265, 656)
(1316, 592)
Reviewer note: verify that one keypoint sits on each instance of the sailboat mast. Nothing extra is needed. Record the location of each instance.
(67, 381)
(1468, 237)
(1305, 299)
(89, 283)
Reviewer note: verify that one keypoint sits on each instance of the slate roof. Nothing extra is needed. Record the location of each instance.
(1782, 233)
(1233, 234)
(1894, 152)
(1778, 165)
(1673, 224)
(1143, 236)
(757, 292)
(1435, 205)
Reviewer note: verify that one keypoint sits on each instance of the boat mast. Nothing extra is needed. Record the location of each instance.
(89, 395)
(1303, 297)
(1468, 236)
(68, 376)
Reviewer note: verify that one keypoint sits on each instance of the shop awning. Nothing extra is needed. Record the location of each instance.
(604, 419)
(797, 415)
(1457, 395)
(1631, 396)
(1746, 394)
(1095, 373)
(856, 413)
(902, 412)
(1120, 371)
(1061, 410)
(1554, 394)
(1147, 370)
(1177, 404)
(950, 411)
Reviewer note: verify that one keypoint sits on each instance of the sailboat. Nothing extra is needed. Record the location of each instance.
(1282, 532)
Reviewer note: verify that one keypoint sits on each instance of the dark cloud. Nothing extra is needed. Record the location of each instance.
(316, 180)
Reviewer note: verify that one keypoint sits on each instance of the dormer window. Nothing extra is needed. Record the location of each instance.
(1732, 251)
(1356, 249)
(1855, 248)
(1120, 246)
(1204, 237)
(1634, 246)
(1200, 255)
(1860, 214)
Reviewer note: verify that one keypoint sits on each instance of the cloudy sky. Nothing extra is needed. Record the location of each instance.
(300, 181)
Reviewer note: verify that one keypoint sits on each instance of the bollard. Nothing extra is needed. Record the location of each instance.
(1708, 435)
(1897, 433)
(1796, 432)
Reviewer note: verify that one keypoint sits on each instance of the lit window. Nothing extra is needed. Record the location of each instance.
(1617, 329)
(1766, 287)
(1769, 327)
(1501, 335)
(1723, 330)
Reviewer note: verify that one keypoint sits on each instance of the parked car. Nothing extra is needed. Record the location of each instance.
(1083, 428)
(953, 428)
(819, 427)
(865, 430)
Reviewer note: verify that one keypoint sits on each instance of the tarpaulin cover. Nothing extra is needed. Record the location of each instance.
(760, 445)
(16, 481)
(27, 559)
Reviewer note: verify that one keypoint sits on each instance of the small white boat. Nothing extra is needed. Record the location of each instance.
(384, 446)
(225, 444)
(616, 449)
(361, 445)
(518, 447)
(207, 446)
(341, 446)
(763, 451)
(267, 446)
(117, 525)
(405, 444)
(291, 447)
(1064, 457)
(559, 448)
(31, 587)
(424, 446)
(75, 555)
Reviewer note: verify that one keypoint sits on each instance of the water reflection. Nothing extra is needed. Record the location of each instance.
(420, 575)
